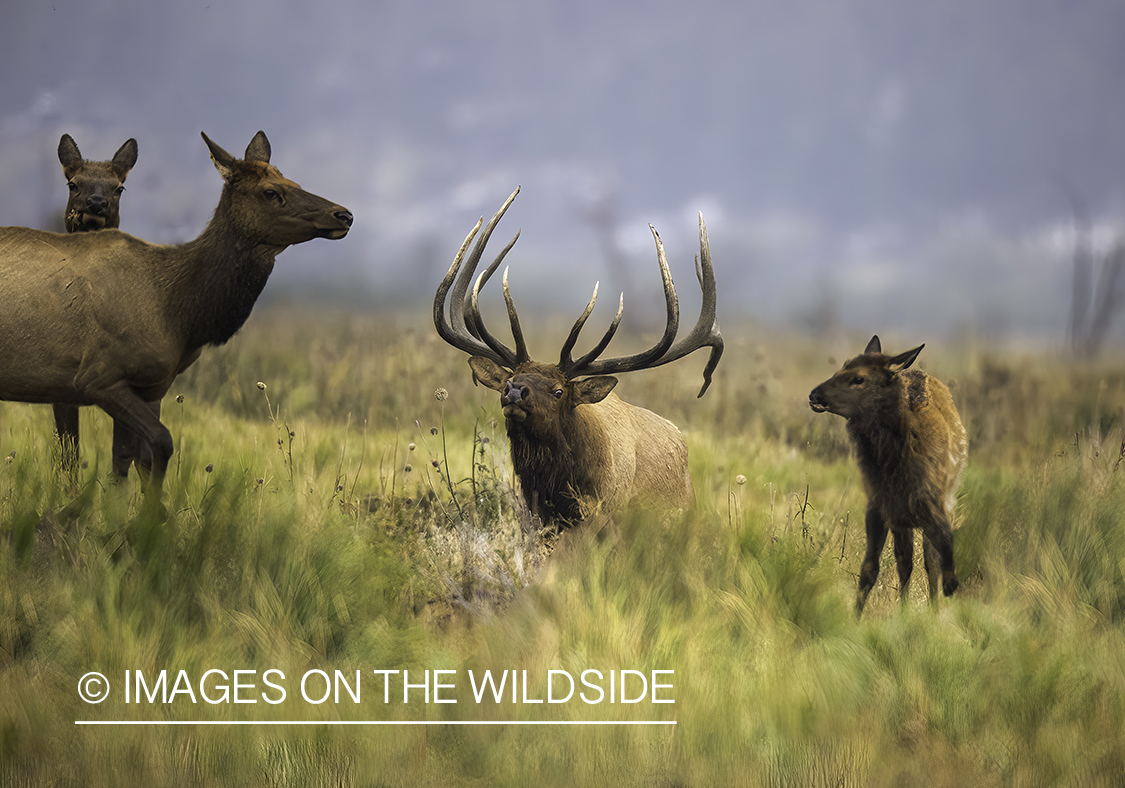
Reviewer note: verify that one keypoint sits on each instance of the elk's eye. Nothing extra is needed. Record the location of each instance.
(119, 190)
(557, 393)
(72, 186)
(270, 194)
(857, 380)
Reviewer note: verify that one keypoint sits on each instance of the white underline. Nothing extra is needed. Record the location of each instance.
(374, 722)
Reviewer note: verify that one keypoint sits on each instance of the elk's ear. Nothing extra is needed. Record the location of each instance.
(874, 346)
(591, 390)
(222, 160)
(125, 158)
(904, 360)
(488, 372)
(259, 148)
(69, 156)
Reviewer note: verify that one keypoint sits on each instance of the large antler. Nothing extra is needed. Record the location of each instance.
(464, 328)
(705, 332)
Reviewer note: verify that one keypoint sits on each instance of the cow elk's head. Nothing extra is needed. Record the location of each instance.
(268, 207)
(537, 396)
(862, 382)
(95, 186)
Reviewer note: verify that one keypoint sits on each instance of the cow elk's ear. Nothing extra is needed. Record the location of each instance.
(222, 160)
(904, 360)
(125, 158)
(591, 390)
(874, 346)
(488, 372)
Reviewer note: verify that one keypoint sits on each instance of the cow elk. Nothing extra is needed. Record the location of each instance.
(912, 451)
(575, 444)
(94, 204)
(95, 186)
(110, 320)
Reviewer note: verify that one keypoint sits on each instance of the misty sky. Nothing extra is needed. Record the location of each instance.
(913, 165)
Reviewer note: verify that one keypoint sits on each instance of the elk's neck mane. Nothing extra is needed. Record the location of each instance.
(214, 281)
(555, 472)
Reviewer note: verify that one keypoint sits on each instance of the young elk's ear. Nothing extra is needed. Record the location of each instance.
(259, 148)
(904, 360)
(69, 156)
(874, 346)
(125, 158)
(222, 160)
(591, 390)
(488, 372)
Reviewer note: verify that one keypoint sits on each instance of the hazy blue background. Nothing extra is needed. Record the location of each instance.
(904, 166)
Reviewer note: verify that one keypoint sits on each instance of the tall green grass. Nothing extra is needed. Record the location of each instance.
(346, 518)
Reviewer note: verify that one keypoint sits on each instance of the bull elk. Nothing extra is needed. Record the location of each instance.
(110, 320)
(94, 204)
(912, 451)
(575, 444)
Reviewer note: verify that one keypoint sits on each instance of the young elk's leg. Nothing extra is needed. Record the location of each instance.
(904, 557)
(876, 540)
(933, 563)
(940, 535)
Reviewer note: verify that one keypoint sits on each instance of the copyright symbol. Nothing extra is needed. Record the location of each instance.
(93, 687)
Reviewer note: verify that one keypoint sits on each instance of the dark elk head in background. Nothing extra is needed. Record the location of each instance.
(95, 186)
(541, 400)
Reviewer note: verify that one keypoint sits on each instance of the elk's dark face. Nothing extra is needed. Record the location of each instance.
(537, 398)
(269, 207)
(862, 382)
(95, 186)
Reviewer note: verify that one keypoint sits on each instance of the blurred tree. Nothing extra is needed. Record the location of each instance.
(1096, 295)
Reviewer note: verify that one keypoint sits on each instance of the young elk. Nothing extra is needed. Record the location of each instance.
(94, 204)
(574, 443)
(912, 451)
(110, 320)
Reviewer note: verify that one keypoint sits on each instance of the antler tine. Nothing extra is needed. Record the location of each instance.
(706, 330)
(476, 322)
(513, 320)
(587, 365)
(454, 329)
(565, 362)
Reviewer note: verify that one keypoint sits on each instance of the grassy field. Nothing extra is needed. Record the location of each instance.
(357, 514)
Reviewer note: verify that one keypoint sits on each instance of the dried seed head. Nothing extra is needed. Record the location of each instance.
(433, 430)
(411, 447)
(441, 395)
(408, 468)
(435, 463)
(210, 467)
(261, 386)
(740, 479)
(180, 398)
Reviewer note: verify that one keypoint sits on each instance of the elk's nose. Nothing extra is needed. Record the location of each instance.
(96, 203)
(345, 216)
(514, 394)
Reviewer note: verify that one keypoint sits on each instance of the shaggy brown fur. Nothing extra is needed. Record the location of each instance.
(574, 443)
(912, 452)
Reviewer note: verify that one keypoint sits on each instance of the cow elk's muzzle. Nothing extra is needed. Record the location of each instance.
(816, 401)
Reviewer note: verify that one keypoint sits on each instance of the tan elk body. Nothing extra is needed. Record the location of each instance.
(912, 451)
(110, 320)
(574, 443)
